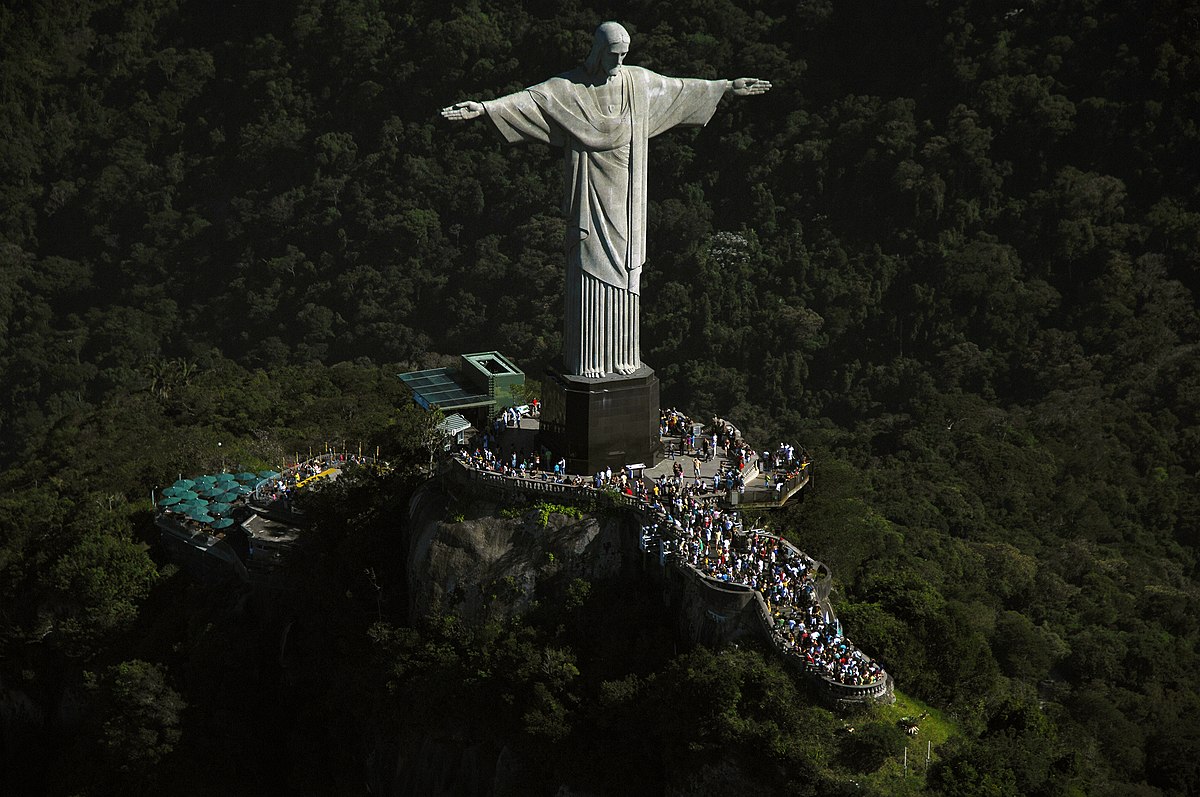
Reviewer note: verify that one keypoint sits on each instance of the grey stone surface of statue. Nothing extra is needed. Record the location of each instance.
(603, 114)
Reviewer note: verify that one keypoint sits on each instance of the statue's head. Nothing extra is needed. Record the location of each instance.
(610, 44)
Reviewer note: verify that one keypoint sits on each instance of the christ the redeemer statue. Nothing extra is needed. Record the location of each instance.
(603, 114)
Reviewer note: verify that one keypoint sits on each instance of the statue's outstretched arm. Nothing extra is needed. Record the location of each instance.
(462, 111)
(745, 87)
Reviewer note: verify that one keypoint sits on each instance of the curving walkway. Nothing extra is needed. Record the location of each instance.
(794, 589)
(689, 529)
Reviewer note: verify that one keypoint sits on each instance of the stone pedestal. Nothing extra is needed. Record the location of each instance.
(599, 423)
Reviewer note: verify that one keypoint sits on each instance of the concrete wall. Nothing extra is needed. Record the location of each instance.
(710, 613)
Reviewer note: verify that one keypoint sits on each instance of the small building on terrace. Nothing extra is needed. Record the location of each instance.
(479, 387)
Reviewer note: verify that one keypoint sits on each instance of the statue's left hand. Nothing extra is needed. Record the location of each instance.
(746, 86)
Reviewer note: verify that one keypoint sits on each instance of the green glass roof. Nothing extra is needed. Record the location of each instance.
(438, 386)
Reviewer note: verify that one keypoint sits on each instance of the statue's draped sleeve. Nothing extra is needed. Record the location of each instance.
(672, 101)
(519, 117)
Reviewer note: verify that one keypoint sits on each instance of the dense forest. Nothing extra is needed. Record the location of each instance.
(954, 253)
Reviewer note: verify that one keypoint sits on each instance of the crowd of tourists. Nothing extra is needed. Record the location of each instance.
(684, 437)
(686, 524)
(714, 543)
(484, 457)
(688, 444)
(783, 464)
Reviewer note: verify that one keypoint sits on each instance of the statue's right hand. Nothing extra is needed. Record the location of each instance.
(462, 111)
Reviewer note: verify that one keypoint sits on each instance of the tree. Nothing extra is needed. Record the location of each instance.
(95, 587)
(874, 743)
(137, 717)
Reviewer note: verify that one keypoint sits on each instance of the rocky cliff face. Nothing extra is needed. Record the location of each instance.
(470, 557)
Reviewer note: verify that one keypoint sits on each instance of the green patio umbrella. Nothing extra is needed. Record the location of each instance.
(222, 523)
(229, 497)
(184, 483)
(219, 508)
(214, 491)
(268, 474)
(170, 500)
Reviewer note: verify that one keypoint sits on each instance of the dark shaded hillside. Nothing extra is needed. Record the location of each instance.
(954, 252)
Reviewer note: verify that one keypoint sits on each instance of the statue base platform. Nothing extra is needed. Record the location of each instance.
(601, 423)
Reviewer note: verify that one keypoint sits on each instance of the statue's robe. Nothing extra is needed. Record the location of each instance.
(605, 148)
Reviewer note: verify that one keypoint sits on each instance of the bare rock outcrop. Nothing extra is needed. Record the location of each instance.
(479, 561)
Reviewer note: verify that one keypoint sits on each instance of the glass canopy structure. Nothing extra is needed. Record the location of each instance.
(481, 380)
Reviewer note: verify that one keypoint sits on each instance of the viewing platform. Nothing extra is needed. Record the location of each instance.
(734, 590)
(771, 488)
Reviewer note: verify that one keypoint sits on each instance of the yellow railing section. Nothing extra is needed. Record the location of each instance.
(316, 476)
